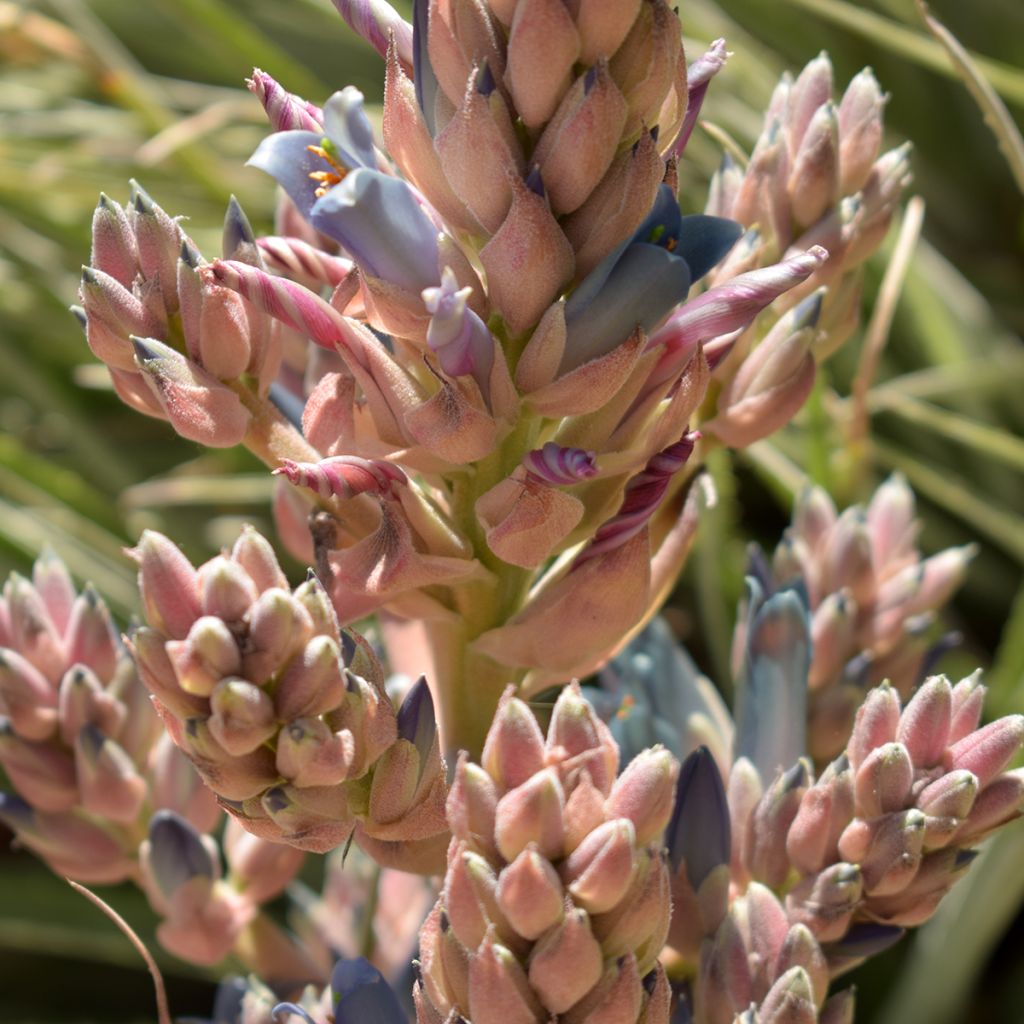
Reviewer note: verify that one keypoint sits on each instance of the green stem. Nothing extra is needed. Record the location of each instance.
(470, 684)
(270, 437)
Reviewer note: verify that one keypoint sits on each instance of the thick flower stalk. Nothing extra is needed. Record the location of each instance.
(873, 601)
(283, 714)
(556, 901)
(78, 740)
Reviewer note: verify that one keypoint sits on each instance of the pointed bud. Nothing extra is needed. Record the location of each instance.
(90, 638)
(41, 772)
(814, 180)
(646, 64)
(999, 802)
(617, 205)
(644, 793)
(109, 784)
(32, 631)
(825, 810)
(174, 853)
(471, 806)
(169, 585)
(600, 870)
(566, 963)
(206, 656)
(243, 716)
(499, 992)
(925, 721)
(113, 244)
(699, 832)
(316, 819)
(27, 697)
(833, 632)
(860, 130)
(577, 733)
(790, 1000)
(197, 405)
(158, 240)
(882, 781)
(989, 750)
(528, 260)
(825, 903)
(309, 754)
(579, 143)
(313, 682)
(514, 749)
(877, 723)
(478, 148)
(543, 45)
(530, 894)
(887, 849)
(531, 813)
(773, 382)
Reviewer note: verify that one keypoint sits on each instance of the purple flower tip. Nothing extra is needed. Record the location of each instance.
(416, 721)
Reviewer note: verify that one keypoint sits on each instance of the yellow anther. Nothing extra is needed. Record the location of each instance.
(327, 179)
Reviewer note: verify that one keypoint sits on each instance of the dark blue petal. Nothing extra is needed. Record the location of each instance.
(416, 720)
(704, 241)
(286, 158)
(14, 812)
(771, 693)
(360, 995)
(378, 220)
(348, 127)
(423, 71)
(288, 403)
(664, 220)
(699, 832)
(238, 242)
(227, 1003)
(646, 283)
(176, 852)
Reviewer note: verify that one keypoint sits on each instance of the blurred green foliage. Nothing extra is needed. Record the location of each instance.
(98, 91)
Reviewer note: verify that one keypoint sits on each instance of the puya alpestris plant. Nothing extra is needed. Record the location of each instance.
(485, 360)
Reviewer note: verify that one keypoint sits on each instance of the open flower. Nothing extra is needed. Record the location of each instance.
(643, 279)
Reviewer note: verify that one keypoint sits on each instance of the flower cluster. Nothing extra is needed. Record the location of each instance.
(285, 716)
(484, 353)
(556, 898)
(873, 600)
(78, 740)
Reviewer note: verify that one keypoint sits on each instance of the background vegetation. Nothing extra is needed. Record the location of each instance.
(97, 91)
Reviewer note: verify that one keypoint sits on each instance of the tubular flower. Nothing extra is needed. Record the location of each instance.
(78, 740)
(555, 901)
(282, 713)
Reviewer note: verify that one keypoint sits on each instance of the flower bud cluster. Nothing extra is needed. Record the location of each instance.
(172, 338)
(284, 715)
(873, 600)
(874, 843)
(761, 968)
(78, 740)
(816, 177)
(556, 899)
